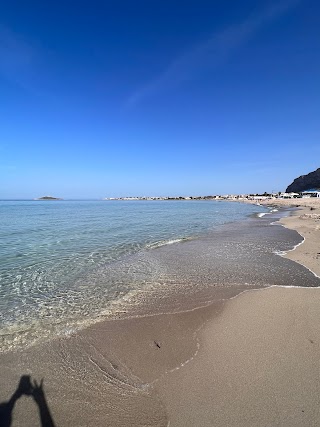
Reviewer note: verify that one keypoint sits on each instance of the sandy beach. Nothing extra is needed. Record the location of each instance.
(258, 363)
(252, 360)
(160, 214)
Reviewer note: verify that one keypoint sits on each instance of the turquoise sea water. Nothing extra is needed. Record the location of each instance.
(61, 261)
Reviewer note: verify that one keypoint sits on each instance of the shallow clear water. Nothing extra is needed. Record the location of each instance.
(64, 260)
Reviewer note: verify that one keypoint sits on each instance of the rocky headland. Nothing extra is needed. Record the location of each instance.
(305, 182)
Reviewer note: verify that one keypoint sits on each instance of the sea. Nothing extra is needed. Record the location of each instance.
(65, 264)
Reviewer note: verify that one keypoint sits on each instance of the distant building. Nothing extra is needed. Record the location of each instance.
(310, 193)
(260, 197)
(288, 195)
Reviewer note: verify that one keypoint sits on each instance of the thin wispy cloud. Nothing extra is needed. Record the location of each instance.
(210, 53)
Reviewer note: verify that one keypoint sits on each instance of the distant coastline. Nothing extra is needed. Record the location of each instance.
(239, 197)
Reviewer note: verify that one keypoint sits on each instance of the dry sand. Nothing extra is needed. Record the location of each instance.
(258, 365)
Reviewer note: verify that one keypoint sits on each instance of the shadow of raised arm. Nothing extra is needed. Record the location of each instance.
(6, 408)
(40, 399)
(26, 388)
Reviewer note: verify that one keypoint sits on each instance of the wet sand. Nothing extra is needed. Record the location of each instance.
(247, 361)
(306, 221)
(107, 374)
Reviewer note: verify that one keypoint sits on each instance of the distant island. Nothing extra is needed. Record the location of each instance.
(48, 198)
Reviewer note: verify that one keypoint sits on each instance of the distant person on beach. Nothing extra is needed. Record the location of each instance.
(25, 387)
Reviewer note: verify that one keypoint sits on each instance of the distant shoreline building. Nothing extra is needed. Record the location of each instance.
(310, 193)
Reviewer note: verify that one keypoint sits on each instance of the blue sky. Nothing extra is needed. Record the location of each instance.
(123, 98)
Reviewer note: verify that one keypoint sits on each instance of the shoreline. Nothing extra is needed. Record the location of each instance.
(180, 368)
(305, 219)
(257, 364)
(307, 224)
(67, 283)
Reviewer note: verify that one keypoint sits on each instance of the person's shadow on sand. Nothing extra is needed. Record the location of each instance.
(25, 387)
